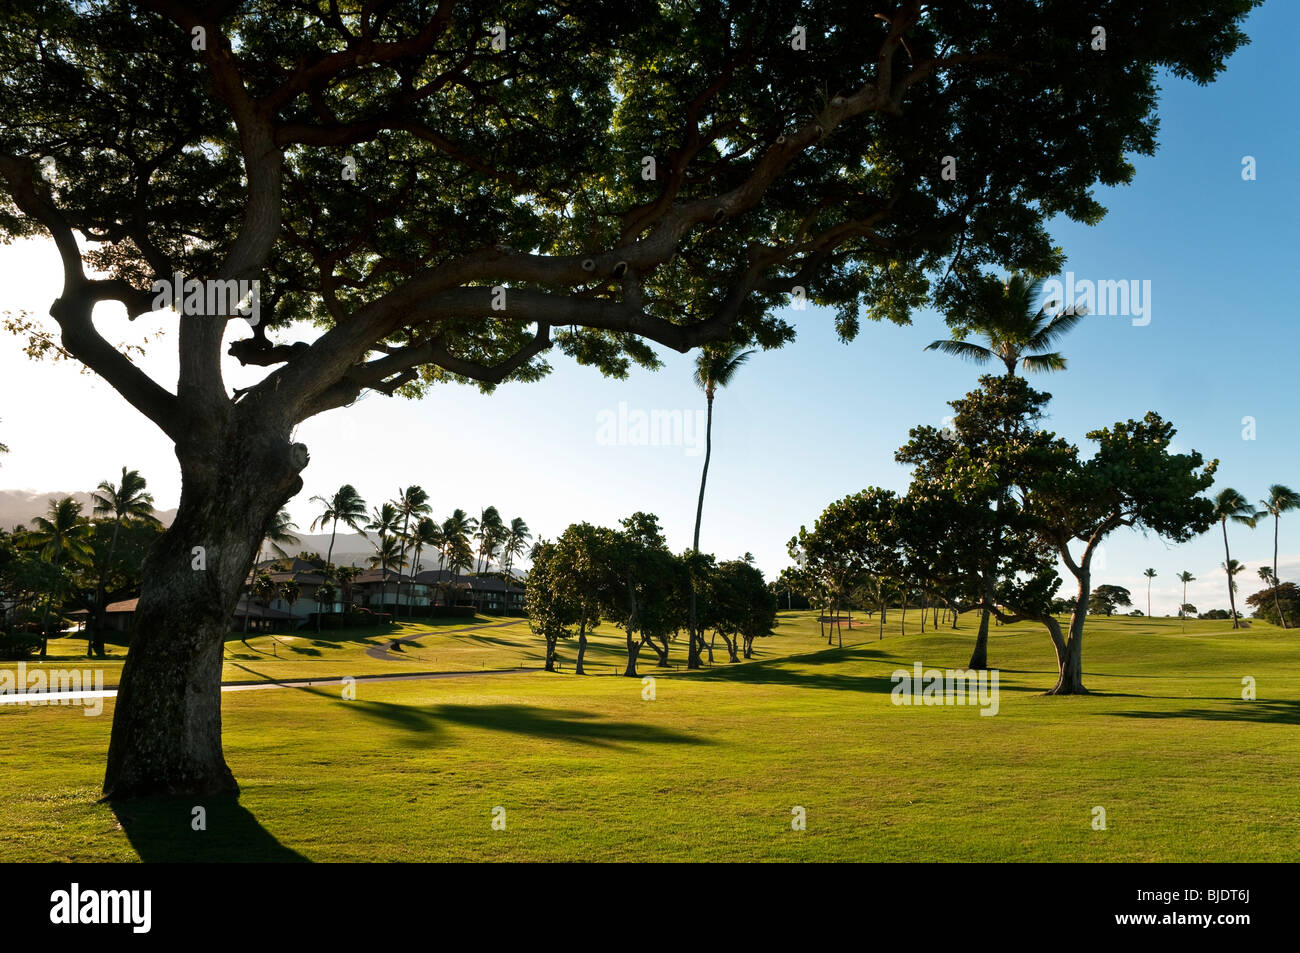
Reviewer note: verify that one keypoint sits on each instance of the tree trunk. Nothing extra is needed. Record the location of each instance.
(550, 654)
(166, 736)
(979, 658)
(633, 650)
(1227, 567)
(582, 649)
(1069, 651)
(1276, 582)
(692, 653)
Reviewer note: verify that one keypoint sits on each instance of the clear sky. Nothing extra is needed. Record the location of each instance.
(817, 420)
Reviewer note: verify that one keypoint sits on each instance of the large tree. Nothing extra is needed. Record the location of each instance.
(444, 195)
(1133, 480)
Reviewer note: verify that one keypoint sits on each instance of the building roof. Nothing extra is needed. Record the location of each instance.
(126, 605)
(474, 583)
(255, 611)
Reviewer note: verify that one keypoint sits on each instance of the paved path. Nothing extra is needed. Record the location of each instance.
(47, 698)
(376, 652)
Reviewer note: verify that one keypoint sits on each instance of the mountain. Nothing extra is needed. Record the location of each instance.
(20, 506)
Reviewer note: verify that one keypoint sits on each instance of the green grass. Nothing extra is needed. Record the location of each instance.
(712, 767)
(440, 645)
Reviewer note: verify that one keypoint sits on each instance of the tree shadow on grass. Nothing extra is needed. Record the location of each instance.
(427, 723)
(1271, 712)
(161, 830)
(776, 672)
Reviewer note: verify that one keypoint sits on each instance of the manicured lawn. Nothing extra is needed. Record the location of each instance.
(585, 768)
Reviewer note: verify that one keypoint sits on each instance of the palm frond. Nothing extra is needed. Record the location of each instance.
(967, 350)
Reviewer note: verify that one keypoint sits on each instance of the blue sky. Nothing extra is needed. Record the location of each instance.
(819, 419)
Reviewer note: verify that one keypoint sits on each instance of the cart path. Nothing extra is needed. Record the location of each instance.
(51, 698)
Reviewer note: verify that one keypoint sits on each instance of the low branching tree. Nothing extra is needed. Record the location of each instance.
(431, 195)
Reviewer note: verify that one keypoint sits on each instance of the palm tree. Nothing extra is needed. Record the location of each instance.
(1184, 577)
(715, 368)
(290, 592)
(411, 502)
(279, 534)
(1233, 569)
(1231, 505)
(1280, 499)
(456, 550)
(517, 537)
(426, 533)
(264, 590)
(1017, 330)
(491, 531)
(383, 522)
(63, 534)
(125, 502)
(347, 505)
(1150, 574)
(388, 555)
(346, 574)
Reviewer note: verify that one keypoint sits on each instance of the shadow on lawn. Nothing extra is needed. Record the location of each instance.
(776, 672)
(160, 829)
(428, 722)
(1274, 712)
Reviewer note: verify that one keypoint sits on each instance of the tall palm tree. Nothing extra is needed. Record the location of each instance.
(388, 556)
(383, 523)
(61, 536)
(1184, 577)
(491, 531)
(426, 533)
(1150, 574)
(715, 368)
(347, 505)
(1280, 499)
(517, 538)
(124, 503)
(456, 549)
(457, 531)
(1231, 505)
(1017, 330)
(411, 503)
